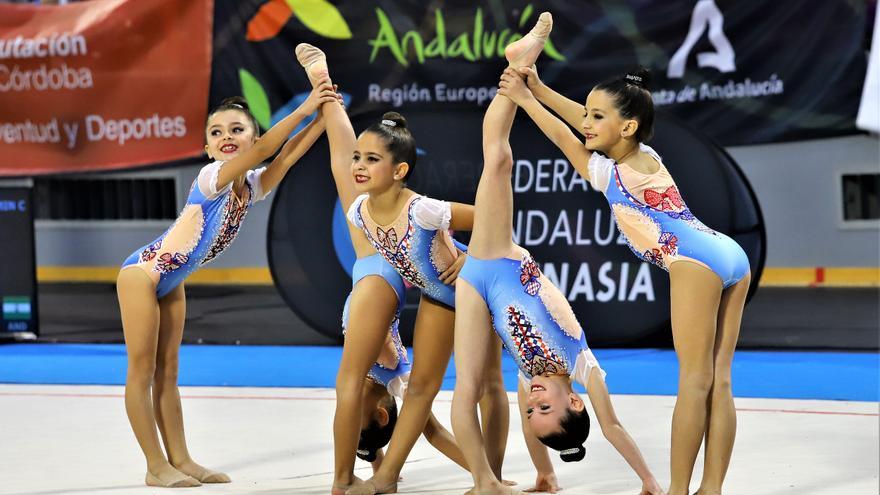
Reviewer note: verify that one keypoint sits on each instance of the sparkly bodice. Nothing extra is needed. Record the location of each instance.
(419, 254)
(208, 223)
(648, 209)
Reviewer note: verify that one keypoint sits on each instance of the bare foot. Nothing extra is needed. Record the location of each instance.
(169, 477)
(201, 473)
(371, 487)
(313, 61)
(524, 51)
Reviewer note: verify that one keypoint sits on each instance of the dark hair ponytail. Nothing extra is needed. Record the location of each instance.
(632, 97)
(399, 141)
(240, 104)
(570, 441)
(376, 436)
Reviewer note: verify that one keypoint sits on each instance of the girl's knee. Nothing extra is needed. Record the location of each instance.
(697, 381)
(493, 384)
(721, 383)
(422, 389)
(167, 370)
(499, 161)
(141, 369)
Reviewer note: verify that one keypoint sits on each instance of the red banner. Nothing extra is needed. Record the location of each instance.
(104, 84)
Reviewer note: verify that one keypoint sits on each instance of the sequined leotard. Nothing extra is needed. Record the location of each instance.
(416, 243)
(658, 225)
(207, 224)
(532, 317)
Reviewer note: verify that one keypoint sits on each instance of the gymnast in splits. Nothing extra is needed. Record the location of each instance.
(387, 149)
(501, 286)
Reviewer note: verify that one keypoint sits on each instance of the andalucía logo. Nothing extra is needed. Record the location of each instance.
(476, 45)
(468, 41)
(707, 19)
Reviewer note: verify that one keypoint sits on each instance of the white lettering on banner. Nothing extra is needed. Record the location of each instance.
(29, 132)
(613, 283)
(70, 130)
(547, 176)
(408, 93)
(97, 128)
(531, 228)
(727, 91)
(412, 93)
(56, 45)
(44, 78)
(706, 14)
(470, 94)
(122, 130)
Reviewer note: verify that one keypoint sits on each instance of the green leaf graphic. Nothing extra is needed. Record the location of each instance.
(526, 13)
(256, 98)
(551, 52)
(321, 17)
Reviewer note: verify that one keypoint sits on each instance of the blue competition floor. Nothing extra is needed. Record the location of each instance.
(787, 375)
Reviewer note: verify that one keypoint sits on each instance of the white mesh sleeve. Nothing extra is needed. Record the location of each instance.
(586, 361)
(207, 179)
(432, 214)
(397, 386)
(254, 177)
(599, 167)
(352, 210)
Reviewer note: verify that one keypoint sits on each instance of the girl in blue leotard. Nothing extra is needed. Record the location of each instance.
(501, 286)
(371, 309)
(150, 284)
(708, 272)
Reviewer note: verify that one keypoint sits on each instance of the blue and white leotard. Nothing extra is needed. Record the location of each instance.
(392, 368)
(532, 317)
(207, 224)
(417, 243)
(657, 224)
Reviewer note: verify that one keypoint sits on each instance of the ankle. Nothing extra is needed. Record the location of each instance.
(158, 466)
(180, 461)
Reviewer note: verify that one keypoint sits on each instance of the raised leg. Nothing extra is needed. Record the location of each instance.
(524, 51)
(492, 235)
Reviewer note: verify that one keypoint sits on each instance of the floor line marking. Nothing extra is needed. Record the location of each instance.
(269, 397)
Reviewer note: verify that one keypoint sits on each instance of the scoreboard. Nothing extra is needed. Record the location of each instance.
(18, 287)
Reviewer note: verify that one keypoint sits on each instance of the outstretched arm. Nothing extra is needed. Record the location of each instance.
(616, 434)
(343, 142)
(291, 152)
(546, 480)
(556, 130)
(571, 111)
(267, 145)
(442, 440)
